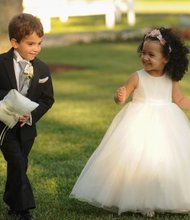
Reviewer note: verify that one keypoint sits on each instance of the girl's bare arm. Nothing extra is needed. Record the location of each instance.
(123, 93)
(182, 101)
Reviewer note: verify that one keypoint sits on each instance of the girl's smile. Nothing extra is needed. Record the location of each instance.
(152, 58)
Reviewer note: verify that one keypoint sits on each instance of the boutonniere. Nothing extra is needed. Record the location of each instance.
(29, 72)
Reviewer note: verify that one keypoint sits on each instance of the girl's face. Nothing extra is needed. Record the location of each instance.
(152, 57)
(29, 47)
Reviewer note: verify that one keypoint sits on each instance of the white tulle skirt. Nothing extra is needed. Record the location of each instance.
(143, 162)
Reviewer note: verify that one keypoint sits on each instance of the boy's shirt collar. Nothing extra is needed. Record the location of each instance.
(18, 57)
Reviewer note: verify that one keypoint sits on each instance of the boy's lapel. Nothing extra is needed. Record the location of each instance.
(10, 68)
(34, 81)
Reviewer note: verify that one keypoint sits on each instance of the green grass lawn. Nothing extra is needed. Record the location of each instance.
(73, 128)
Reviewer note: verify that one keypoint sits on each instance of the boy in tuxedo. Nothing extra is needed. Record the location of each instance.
(25, 34)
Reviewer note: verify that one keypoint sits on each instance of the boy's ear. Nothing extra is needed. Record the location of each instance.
(14, 43)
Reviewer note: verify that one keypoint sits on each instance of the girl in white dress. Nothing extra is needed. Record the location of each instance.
(143, 162)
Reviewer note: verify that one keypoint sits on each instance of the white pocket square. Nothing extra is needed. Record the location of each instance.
(43, 80)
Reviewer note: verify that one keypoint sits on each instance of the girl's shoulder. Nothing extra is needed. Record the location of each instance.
(141, 73)
(133, 79)
(133, 76)
(136, 75)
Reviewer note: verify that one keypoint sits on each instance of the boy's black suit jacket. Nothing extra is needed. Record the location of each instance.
(42, 93)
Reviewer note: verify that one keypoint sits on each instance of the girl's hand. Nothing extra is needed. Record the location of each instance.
(120, 96)
(123, 93)
(23, 119)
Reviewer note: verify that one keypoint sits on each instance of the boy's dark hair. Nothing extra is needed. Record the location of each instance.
(24, 24)
(175, 50)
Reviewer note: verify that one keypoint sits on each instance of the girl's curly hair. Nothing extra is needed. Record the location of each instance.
(173, 49)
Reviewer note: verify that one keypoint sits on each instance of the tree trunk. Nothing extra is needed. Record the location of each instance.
(9, 8)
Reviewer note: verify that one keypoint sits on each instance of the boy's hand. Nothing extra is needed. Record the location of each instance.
(23, 119)
(120, 95)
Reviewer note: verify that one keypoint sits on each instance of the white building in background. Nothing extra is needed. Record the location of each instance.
(112, 9)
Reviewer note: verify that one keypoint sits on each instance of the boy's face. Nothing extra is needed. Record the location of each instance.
(29, 47)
